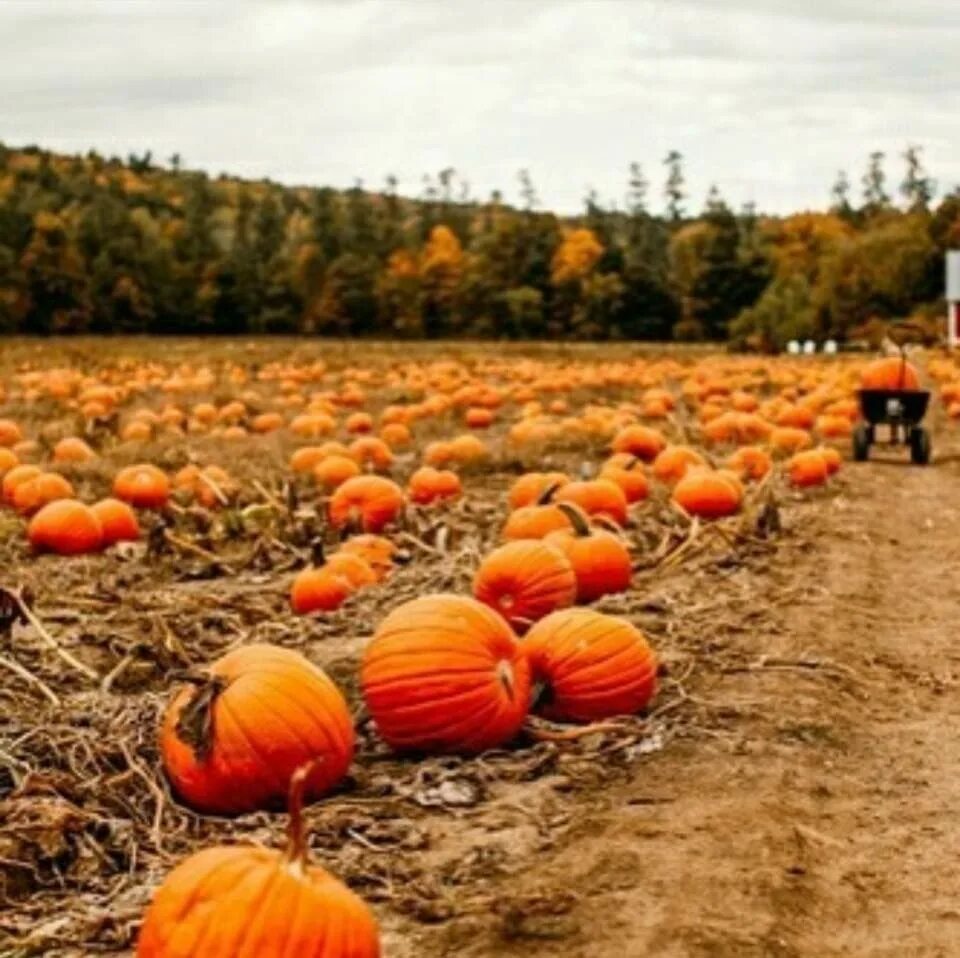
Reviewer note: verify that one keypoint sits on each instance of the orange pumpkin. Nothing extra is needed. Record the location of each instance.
(672, 464)
(428, 485)
(8, 460)
(445, 673)
(371, 452)
(531, 486)
(31, 495)
(368, 503)
(534, 522)
(13, 477)
(334, 471)
(118, 521)
(67, 527)
(630, 478)
(143, 485)
(596, 497)
(379, 553)
(750, 462)
(249, 900)
(890, 373)
(708, 494)
(790, 439)
(72, 449)
(590, 666)
(10, 433)
(808, 468)
(232, 741)
(524, 581)
(640, 441)
(320, 590)
(306, 458)
(600, 560)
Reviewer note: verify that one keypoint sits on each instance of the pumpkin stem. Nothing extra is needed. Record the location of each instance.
(195, 722)
(505, 675)
(543, 733)
(633, 463)
(295, 855)
(577, 519)
(546, 497)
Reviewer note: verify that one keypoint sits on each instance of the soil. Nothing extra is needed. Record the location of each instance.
(792, 793)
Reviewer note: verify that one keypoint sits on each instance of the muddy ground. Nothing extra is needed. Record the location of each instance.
(792, 793)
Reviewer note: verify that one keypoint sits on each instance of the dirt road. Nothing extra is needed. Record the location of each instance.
(815, 811)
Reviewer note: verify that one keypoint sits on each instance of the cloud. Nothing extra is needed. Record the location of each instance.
(767, 98)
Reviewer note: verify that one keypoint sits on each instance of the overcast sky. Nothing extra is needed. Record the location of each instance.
(768, 98)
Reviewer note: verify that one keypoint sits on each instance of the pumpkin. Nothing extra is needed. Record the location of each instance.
(445, 673)
(832, 458)
(478, 417)
(14, 477)
(790, 439)
(34, 493)
(534, 522)
(640, 441)
(596, 497)
(117, 520)
(671, 464)
(334, 471)
(72, 449)
(267, 422)
(890, 373)
(808, 468)
(428, 485)
(249, 900)
(66, 527)
(231, 741)
(749, 462)
(8, 460)
(379, 553)
(368, 503)
(531, 486)
(142, 485)
(306, 458)
(358, 422)
(588, 666)
(630, 478)
(10, 433)
(369, 451)
(320, 590)
(708, 494)
(524, 581)
(600, 560)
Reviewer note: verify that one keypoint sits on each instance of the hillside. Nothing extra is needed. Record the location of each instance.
(89, 244)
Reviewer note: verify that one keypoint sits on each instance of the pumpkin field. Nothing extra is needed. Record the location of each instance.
(474, 650)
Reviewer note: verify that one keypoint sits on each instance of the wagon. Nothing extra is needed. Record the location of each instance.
(900, 410)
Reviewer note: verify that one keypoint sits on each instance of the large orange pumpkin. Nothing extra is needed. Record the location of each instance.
(367, 503)
(671, 464)
(890, 373)
(590, 666)
(118, 520)
(640, 441)
(232, 740)
(445, 673)
(249, 900)
(524, 581)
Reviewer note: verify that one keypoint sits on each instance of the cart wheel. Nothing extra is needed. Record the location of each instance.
(861, 442)
(919, 446)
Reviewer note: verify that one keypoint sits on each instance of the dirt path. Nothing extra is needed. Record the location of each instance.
(820, 818)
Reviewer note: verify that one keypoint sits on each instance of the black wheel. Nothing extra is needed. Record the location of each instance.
(861, 442)
(919, 446)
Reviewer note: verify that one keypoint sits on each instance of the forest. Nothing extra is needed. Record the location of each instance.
(90, 244)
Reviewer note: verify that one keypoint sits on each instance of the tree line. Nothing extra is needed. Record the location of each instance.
(90, 244)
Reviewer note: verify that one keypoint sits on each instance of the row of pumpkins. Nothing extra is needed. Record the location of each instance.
(442, 674)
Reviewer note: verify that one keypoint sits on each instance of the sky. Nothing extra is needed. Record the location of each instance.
(766, 98)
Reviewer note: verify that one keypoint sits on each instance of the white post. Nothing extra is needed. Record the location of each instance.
(953, 298)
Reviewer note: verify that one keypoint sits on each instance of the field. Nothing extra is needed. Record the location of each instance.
(791, 790)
